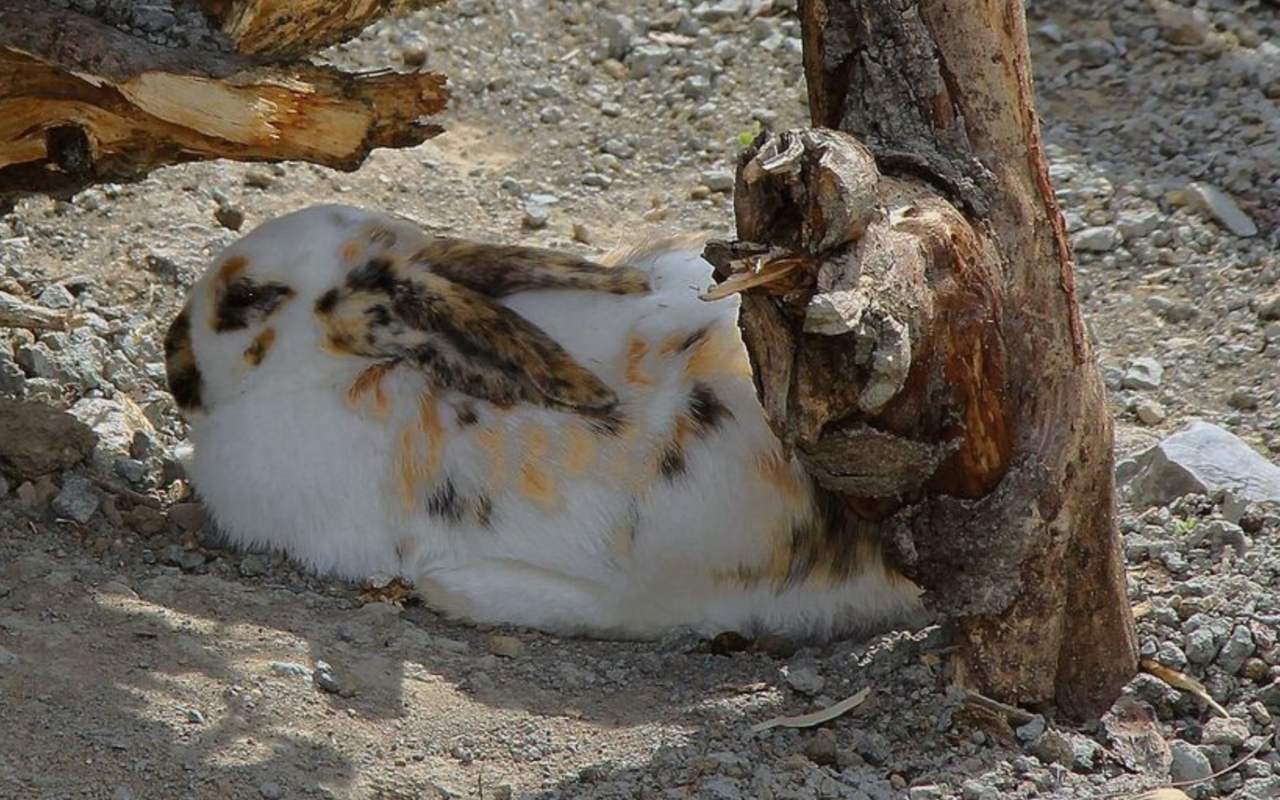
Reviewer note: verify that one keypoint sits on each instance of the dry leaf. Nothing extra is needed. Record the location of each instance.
(817, 717)
(395, 592)
(1184, 682)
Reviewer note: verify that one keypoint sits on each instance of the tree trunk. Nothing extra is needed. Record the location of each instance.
(82, 103)
(927, 360)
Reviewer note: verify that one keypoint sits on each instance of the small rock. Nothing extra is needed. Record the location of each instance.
(7, 657)
(186, 560)
(1243, 400)
(258, 178)
(804, 678)
(536, 216)
(1202, 458)
(36, 439)
(1149, 412)
(1143, 374)
(506, 646)
(597, 180)
(1180, 25)
(252, 565)
(1229, 732)
(290, 669)
(188, 516)
(55, 295)
(722, 10)
(718, 180)
(77, 500)
(1200, 646)
(323, 678)
(696, 87)
(551, 115)
(413, 56)
(131, 469)
(1098, 239)
(229, 217)
(1188, 762)
(1238, 647)
(1222, 209)
(821, 749)
(270, 790)
(582, 234)
(647, 58)
(1032, 730)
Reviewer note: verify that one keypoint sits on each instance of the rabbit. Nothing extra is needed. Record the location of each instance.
(526, 436)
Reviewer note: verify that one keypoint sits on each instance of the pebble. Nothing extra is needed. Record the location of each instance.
(7, 657)
(252, 565)
(505, 646)
(188, 516)
(1189, 762)
(270, 790)
(1099, 239)
(186, 560)
(1238, 647)
(804, 678)
(597, 180)
(323, 678)
(290, 669)
(536, 216)
(77, 500)
(1229, 732)
(718, 180)
(1222, 209)
(1143, 373)
(1149, 412)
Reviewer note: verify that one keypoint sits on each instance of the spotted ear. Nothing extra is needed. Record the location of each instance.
(462, 339)
(499, 270)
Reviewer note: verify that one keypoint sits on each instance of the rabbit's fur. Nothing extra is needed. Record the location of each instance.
(529, 437)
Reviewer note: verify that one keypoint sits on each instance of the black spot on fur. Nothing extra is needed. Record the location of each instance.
(444, 503)
(484, 510)
(375, 275)
(672, 462)
(609, 424)
(694, 338)
(706, 410)
(378, 315)
(244, 302)
(186, 385)
(327, 302)
(467, 415)
(183, 375)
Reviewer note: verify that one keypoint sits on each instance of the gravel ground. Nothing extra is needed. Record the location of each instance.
(138, 659)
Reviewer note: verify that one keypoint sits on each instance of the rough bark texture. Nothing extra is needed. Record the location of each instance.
(293, 28)
(928, 361)
(82, 103)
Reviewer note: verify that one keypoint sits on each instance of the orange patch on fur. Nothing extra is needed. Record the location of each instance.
(493, 442)
(707, 357)
(536, 484)
(371, 378)
(261, 344)
(637, 348)
(671, 345)
(231, 269)
(580, 451)
(429, 420)
(779, 474)
(407, 469)
(351, 250)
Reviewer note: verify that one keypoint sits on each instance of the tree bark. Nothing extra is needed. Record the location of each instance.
(927, 361)
(82, 103)
(294, 28)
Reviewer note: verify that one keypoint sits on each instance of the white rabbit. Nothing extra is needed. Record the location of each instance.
(528, 437)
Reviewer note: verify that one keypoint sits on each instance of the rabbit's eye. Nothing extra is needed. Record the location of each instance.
(244, 302)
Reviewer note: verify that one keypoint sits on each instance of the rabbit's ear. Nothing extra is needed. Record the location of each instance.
(499, 270)
(462, 339)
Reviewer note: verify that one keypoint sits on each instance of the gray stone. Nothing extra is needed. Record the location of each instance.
(187, 516)
(56, 296)
(1202, 458)
(724, 9)
(7, 657)
(186, 560)
(1137, 225)
(1238, 647)
(647, 58)
(597, 180)
(536, 216)
(131, 469)
(1098, 239)
(696, 87)
(115, 422)
(619, 32)
(1200, 646)
(77, 500)
(718, 180)
(253, 565)
(1222, 209)
(1143, 374)
(1189, 763)
(1223, 731)
(1149, 412)
(270, 790)
(804, 678)
(551, 115)
(1032, 730)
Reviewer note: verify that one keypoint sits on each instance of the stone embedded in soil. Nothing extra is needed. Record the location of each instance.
(1098, 239)
(36, 439)
(1189, 763)
(77, 500)
(1218, 205)
(1143, 373)
(1202, 458)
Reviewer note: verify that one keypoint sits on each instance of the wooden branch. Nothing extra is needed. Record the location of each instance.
(293, 28)
(928, 366)
(16, 314)
(82, 103)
